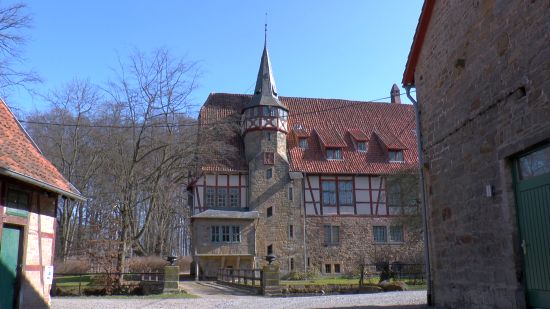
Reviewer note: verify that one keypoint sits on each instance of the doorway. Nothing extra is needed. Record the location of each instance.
(10, 265)
(532, 186)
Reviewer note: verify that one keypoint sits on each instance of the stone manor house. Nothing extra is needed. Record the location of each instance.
(319, 183)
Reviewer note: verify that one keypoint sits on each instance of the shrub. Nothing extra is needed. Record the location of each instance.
(72, 266)
(146, 264)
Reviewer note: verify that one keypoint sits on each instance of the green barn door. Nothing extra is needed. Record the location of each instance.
(10, 261)
(533, 198)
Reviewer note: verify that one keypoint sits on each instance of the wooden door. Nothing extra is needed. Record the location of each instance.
(533, 200)
(10, 265)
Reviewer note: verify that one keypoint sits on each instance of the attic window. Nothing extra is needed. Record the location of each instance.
(396, 156)
(334, 154)
(362, 146)
(302, 143)
(298, 127)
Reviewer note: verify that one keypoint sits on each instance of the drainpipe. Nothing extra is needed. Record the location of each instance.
(423, 196)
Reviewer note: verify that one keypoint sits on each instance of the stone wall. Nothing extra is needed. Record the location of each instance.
(482, 84)
(202, 243)
(272, 193)
(357, 242)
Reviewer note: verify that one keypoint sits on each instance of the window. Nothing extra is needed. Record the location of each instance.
(345, 193)
(327, 268)
(334, 154)
(273, 111)
(534, 164)
(234, 197)
(302, 143)
(269, 211)
(291, 264)
(308, 262)
(394, 194)
(269, 249)
(396, 156)
(268, 135)
(379, 233)
(362, 146)
(269, 158)
(221, 198)
(266, 111)
(332, 234)
(269, 173)
(290, 193)
(210, 197)
(396, 234)
(337, 268)
(291, 231)
(225, 233)
(215, 233)
(329, 193)
(190, 199)
(236, 233)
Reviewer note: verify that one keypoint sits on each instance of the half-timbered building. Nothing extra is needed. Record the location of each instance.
(313, 181)
(30, 186)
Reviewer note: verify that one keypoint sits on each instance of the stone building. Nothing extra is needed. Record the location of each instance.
(481, 70)
(319, 183)
(29, 189)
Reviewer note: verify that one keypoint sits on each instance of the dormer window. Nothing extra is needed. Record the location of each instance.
(334, 154)
(302, 143)
(362, 146)
(396, 156)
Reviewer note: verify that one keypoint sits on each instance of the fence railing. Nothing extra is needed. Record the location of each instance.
(398, 271)
(103, 283)
(242, 277)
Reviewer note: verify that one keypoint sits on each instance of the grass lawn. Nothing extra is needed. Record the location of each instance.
(354, 281)
(73, 280)
(153, 296)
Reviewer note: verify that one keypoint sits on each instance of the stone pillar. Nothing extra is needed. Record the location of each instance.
(171, 279)
(270, 281)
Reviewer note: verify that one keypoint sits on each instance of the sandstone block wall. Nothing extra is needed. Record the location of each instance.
(357, 243)
(483, 81)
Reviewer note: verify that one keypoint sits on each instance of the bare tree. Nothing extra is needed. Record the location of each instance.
(14, 21)
(150, 95)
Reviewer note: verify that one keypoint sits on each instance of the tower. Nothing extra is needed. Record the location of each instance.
(264, 129)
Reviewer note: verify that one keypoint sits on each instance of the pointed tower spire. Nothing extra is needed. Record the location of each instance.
(265, 92)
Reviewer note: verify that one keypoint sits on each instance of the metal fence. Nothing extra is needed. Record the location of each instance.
(242, 277)
(103, 283)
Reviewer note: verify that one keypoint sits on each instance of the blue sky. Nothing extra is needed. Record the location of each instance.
(327, 49)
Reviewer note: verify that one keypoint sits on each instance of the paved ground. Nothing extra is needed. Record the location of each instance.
(217, 296)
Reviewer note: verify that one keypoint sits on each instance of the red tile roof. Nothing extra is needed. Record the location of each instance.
(332, 123)
(20, 157)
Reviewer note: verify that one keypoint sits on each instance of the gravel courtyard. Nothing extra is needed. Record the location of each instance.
(216, 296)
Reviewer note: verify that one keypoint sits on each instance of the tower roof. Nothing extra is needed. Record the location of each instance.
(265, 92)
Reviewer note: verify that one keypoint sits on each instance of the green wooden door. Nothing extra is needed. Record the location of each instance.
(10, 261)
(533, 198)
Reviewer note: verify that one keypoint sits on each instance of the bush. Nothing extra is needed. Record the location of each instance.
(146, 264)
(72, 266)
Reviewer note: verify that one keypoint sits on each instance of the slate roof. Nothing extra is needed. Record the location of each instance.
(226, 214)
(327, 123)
(20, 158)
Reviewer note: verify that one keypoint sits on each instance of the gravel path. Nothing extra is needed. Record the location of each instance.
(216, 296)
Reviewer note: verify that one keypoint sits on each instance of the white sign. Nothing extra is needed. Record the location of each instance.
(48, 274)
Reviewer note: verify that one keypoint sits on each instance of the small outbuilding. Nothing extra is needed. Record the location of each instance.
(30, 187)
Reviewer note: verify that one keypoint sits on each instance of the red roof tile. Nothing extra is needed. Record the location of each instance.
(20, 156)
(389, 126)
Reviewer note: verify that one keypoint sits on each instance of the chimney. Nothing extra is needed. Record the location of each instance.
(395, 94)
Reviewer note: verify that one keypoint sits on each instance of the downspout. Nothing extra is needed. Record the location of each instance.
(303, 207)
(423, 196)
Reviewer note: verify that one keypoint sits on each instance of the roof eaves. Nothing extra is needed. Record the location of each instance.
(418, 40)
